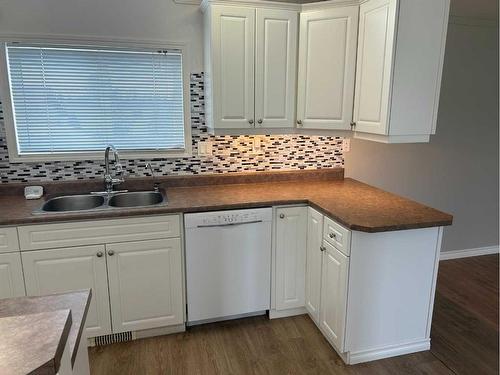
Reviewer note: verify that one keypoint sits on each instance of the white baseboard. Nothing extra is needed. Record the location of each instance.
(455, 254)
(387, 352)
(274, 314)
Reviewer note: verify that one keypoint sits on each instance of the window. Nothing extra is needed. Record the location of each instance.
(71, 102)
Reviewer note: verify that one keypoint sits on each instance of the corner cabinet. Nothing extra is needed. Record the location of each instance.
(400, 57)
(250, 66)
(327, 61)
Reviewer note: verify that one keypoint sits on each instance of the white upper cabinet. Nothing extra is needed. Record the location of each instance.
(275, 68)
(398, 72)
(375, 51)
(250, 66)
(233, 43)
(327, 61)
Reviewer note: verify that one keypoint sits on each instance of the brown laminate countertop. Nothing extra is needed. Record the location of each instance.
(35, 330)
(356, 205)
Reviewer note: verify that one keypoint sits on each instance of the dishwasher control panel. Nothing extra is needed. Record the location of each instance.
(227, 217)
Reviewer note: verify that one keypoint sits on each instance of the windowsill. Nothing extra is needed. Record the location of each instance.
(69, 157)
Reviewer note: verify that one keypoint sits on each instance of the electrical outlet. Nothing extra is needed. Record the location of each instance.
(346, 145)
(204, 148)
(256, 144)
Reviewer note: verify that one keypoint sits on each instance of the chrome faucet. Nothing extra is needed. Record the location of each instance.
(156, 185)
(109, 180)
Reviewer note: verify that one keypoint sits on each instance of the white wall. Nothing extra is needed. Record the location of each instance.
(457, 171)
(155, 20)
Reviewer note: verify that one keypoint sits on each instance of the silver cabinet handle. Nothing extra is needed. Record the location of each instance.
(299, 122)
(250, 122)
(353, 124)
(99, 254)
(333, 235)
(259, 121)
(111, 253)
(282, 216)
(322, 248)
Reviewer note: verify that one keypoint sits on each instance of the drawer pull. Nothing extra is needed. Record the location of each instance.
(111, 253)
(282, 216)
(333, 235)
(322, 248)
(99, 254)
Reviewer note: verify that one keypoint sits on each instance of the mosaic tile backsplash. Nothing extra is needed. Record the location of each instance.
(230, 154)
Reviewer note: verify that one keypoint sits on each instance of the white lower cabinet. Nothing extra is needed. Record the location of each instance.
(69, 269)
(313, 267)
(136, 285)
(145, 284)
(326, 280)
(332, 314)
(290, 265)
(11, 276)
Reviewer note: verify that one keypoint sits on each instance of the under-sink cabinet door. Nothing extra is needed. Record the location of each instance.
(291, 232)
(11, 276)
(327, 60)
(145, 284)
(69, 269)
(334, 295)
(275, 68)
(313, 268)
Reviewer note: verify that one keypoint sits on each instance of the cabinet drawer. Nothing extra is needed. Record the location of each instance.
(49, 236)
(8, 240)
(337, 235)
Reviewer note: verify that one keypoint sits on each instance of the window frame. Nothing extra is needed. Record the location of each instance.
(7, 104)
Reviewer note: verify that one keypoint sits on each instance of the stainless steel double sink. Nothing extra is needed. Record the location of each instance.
(86, 202)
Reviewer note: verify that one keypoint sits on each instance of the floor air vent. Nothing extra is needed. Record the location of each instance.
(113, 338)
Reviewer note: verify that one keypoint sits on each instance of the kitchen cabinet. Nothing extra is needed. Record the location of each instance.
(11, 276)
(398, 71)
(8, 240)
(334, 271)
(69, 269)
(250, 66)
(145, 284)
(313, 263)
(327, 61)
(133, 266)
(275, 68)
(290, 250)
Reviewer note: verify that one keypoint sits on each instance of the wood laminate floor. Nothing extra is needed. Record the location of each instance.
(464, 339)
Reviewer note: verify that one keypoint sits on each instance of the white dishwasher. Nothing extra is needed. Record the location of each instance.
(228, 264)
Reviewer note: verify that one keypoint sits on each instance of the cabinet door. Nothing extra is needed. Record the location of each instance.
(275, 68)
(327, 58)
(376, 40)
(291, 228)
(334, 295)
(233, 66)
(68, 269)
(11, 276)
(313, 269)
(145, 284)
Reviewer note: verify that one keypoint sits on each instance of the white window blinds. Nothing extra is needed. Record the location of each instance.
(81, 99)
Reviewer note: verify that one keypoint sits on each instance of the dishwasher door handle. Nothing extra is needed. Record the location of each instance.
(228, 224)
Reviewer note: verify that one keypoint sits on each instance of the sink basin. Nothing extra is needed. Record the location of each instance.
(73, 203)
(136, 199)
